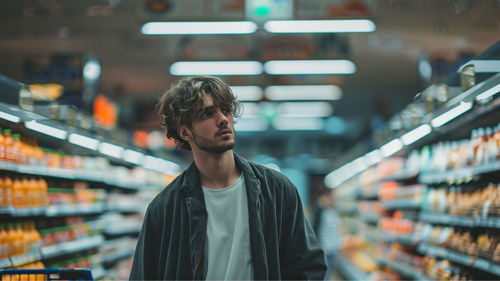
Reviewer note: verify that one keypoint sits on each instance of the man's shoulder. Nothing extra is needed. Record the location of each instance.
(169, 193)
(269, 174)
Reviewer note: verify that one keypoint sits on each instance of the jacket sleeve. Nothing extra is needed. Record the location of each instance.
(301, 255)
(145, 264)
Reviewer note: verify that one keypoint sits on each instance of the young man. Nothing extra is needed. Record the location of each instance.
(224, 218)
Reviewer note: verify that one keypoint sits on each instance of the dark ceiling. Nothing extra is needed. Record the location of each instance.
(135, 67)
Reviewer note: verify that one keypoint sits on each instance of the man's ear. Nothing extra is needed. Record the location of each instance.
(184, 133)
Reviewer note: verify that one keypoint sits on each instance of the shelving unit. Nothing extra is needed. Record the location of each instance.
(382, 196)
(53, 221)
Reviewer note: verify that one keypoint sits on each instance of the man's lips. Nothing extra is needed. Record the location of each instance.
(224, 132)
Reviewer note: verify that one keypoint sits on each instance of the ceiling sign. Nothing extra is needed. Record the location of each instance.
(261, 10)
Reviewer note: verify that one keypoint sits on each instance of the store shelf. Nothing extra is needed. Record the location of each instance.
(401, 203)
(24, 259)
(121, 231)
(119, 255)
(5, 263)
(435, 177)
(72, 246)
(92, 176)
(74, 209)
(350, 271)
(54, 210)
(405, 270)
(460, 258)
(390, 237)
(23, 212)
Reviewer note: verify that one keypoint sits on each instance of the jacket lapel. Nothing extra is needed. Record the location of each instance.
(257, 242)
(195, 203)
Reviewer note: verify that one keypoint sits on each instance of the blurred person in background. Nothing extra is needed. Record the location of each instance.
(326, 224)
(223, 218)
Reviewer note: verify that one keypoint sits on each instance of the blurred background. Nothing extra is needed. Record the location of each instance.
(356, 121)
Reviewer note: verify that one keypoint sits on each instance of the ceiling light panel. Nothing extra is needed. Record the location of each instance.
(304, 109)
(251, 124)
(216, 68)
(303, 92)
(297, 123)
(320, 26)
(286, 67)
(199, 27)
(247, 93)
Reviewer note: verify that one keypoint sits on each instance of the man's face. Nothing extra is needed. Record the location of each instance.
(212, 130)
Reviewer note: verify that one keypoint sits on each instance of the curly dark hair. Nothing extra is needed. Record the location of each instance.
(184, 100)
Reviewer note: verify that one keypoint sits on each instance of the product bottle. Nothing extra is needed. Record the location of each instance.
(18, 198)
(43, 187)
(7, 187)
(9, 146)
(11, 238)
(32, 194)
(20, 239)
(18, 148)
(2, 146)
(4, 244)
(2, 192)
(25, 188)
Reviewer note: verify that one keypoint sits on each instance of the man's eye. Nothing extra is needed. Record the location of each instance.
(206, 114)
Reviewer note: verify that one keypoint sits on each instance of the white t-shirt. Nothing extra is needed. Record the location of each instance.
(228, 243)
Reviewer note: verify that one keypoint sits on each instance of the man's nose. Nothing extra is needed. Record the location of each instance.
(222, 120)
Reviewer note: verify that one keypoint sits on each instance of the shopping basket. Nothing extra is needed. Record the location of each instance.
(47, 274)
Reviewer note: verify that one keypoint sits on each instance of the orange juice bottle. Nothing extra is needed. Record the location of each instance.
(7, 187)
(20, 242)
(32, 194)
(43, 187)
(2, 147)
(25, 188)
(18, 197)
(11, 238)
(18, 148)
(4, 245)
(9, 146)
(2, 192)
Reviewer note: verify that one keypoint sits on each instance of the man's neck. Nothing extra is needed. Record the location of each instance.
(216, 170)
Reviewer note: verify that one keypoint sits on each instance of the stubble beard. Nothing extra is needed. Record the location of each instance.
(206, 146)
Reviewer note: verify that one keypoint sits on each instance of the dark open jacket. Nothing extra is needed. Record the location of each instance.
(283, 245)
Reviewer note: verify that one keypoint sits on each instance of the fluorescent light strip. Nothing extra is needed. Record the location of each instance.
(483, 66)
(161, 165)
(133, 156)
(199, 27)
(319, 26)
(297, 124)
(374, 157)
(391, 147)
(46, 129)
(216, 68)
(488, 93)
(281, 67)
(251, 124)
(416, 134)
(451, 114)
(168, 167)
(9, 117)
(247, 93)
(250, 109)
(83, 141)
(111, 149)
(304, 109)
(303, 92)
